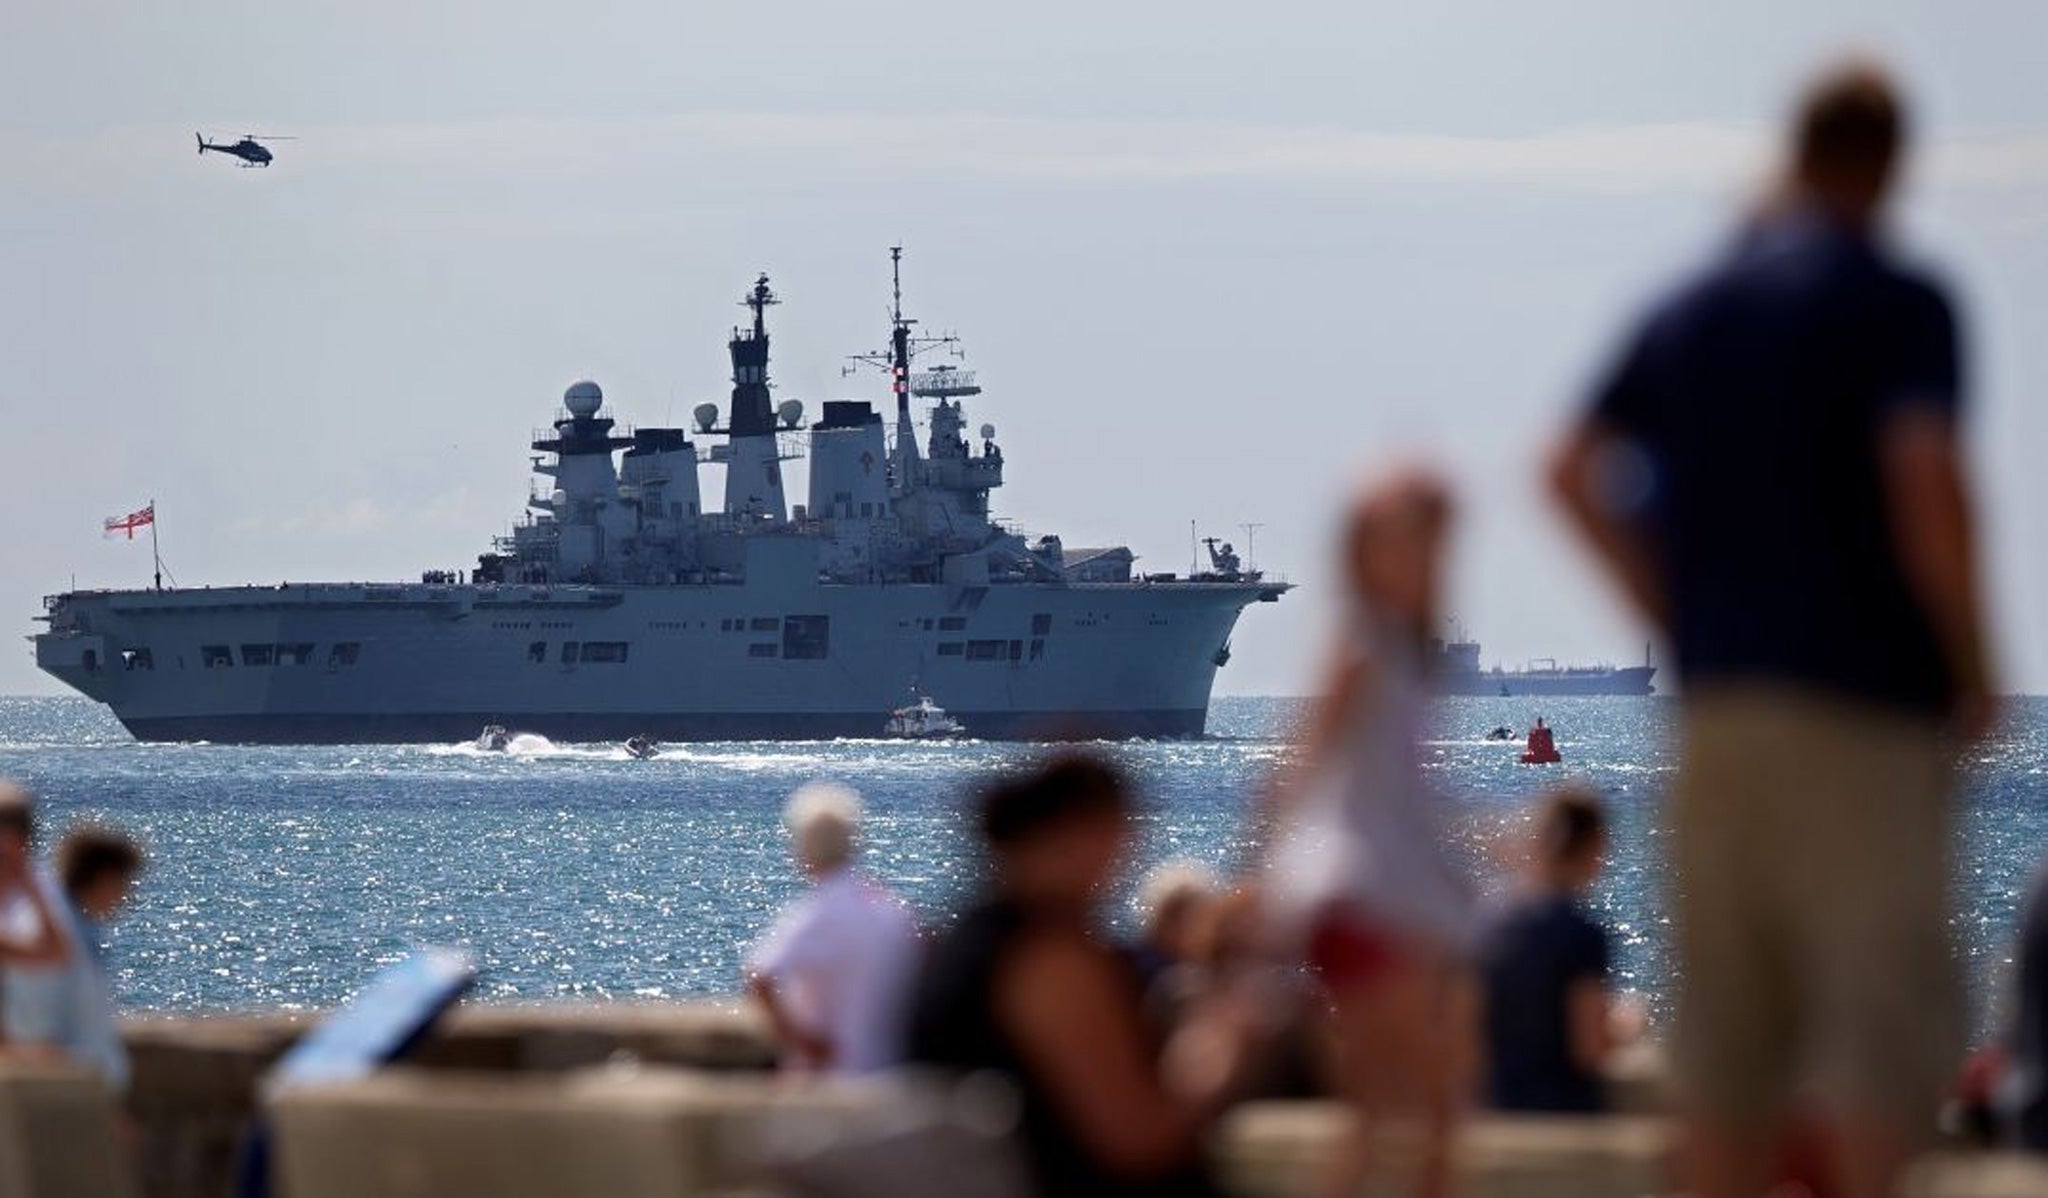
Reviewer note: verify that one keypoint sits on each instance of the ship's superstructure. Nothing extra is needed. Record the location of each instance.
(622, 605)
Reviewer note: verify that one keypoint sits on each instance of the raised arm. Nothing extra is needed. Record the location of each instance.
(1927, 496)
(47, 946)
(1583, 473)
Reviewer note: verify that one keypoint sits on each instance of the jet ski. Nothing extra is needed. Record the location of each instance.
(643, 748)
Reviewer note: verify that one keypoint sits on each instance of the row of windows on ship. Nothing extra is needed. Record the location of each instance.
(803, 638)
(1041, 624)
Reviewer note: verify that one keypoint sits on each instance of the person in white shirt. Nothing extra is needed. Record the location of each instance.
(30, 936)
(833, 973)
(56, 997)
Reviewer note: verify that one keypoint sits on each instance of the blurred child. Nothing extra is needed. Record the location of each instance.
(1360, 875)
(1550, 1022)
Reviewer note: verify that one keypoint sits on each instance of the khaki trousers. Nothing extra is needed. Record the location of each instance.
(1811, 843)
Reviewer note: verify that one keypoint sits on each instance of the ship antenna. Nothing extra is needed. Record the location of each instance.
(896, 282)
(903, 348)
(759, 299)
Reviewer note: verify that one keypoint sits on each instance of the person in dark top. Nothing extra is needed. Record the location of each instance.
(1772, 469)
(1024, 986)
(1543, 961)
(2025, 1091)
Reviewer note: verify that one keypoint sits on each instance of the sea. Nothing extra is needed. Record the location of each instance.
(281, 877)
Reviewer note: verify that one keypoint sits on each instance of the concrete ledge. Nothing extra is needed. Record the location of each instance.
(1639, 1081)
(1996, 1175)
(621, 1133)
(59, 1135)
(194, 1086)
(627, 1132)
(193, 1093)
(1280, 1150)
(647, 1132)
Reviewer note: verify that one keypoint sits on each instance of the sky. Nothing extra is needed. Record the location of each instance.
(1215, 263)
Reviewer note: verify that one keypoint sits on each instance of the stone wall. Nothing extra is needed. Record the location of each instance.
(195, 1079)
(676, 1100)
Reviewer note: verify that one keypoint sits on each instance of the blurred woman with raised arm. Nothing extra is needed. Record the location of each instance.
(1359, 877)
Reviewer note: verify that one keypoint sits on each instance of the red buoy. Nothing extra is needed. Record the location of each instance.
(1542, 749)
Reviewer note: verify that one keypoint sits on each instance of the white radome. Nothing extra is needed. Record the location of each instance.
(583, 398)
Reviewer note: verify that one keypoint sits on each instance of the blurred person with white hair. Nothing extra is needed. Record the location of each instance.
(1169, 907)
(833, 973)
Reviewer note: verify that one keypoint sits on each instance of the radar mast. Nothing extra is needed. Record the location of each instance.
(904, 347)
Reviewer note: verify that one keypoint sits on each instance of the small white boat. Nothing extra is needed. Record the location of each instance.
(923, 720)
(494, 739)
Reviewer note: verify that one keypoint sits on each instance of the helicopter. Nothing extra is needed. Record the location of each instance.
(249, 150)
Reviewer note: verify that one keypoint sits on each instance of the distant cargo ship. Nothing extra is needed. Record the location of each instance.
(1458, 673)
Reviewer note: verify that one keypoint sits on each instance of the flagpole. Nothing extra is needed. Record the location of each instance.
(155, 555)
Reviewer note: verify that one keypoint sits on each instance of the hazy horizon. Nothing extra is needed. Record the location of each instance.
(1211, 264)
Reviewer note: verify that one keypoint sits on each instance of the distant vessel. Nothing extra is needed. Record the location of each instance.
(923, 720)
(1458, 672)
(494, 739)
(627, 603)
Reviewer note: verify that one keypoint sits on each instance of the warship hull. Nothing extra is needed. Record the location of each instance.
(787, 659)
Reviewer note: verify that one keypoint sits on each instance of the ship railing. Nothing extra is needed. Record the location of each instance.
(648, 478)
(727, 523)
(1548, 665)
(620, 430)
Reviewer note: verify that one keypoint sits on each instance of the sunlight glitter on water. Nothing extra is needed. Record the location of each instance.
(281, 875)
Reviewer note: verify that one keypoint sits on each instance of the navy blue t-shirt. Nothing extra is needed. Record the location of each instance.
(1758, 391)
(1534, 950)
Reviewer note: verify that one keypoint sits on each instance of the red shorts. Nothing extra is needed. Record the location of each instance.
(1349, 949)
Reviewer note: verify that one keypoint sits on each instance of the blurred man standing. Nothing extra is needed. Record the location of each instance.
(834, 972)
(1772, 470)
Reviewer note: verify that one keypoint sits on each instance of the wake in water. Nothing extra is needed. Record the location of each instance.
(532, 746)
(522, 744)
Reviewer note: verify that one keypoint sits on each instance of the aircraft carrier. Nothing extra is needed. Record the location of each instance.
(623, 604)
